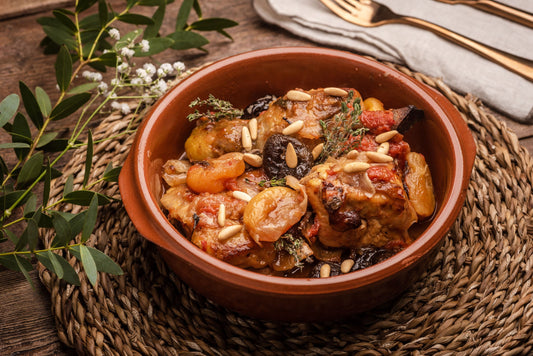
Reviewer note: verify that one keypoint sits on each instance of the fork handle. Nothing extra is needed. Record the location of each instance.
(501, 10)
(515, 64)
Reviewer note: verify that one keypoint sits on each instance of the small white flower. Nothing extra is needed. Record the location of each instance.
(149, 68)
(137, 81)
(125, 108)
(123, 68)
(92, 76)
(147, 79)
(97, 77)
(112, 96)
(179, 66)
(127, 52)
(145, 46)
(114, 34)
(102, 87)
(116, 82)
(141, 73)
(86, 74)
(164, 70)
(116, 105)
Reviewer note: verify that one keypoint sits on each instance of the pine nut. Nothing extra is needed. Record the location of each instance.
(383, 137)
(352, 154)
(241, 195)
(346, 265)
(246, 138)
(317, 150)
(335, 91)
(384, 148)
(325, 271)
(253, 160)
(355, 167)
(296, 95)
(252, 126)
(378, 157)
(290, 156)
(293, 182)
(293, 128)
(228, 232)
(221, 217)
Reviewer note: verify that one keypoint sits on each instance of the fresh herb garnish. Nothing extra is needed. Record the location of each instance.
(344, 131)
(292, 245)
(274, 182)
(218, 109)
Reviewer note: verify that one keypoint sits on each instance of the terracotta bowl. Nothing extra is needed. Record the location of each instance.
(442, 137)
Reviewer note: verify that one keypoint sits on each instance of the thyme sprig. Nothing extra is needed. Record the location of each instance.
(218, 109)
(292, 245)
(274, 182)
(344, 131)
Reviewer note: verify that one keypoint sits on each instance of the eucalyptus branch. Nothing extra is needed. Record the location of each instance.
(37, 154)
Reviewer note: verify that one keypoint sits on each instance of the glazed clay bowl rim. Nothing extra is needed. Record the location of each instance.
(232, 275)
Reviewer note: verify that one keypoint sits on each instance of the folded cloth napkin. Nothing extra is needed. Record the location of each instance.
(421, 50)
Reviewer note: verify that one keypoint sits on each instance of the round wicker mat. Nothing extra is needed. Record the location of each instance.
(475, 299)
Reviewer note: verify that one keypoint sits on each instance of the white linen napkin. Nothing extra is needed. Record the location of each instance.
(422, 51)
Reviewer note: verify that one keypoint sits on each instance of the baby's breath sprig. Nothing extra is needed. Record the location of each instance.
(80, 41)
(344, 131)
(217, 109)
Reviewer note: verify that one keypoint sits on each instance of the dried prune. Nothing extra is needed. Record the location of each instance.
(257, 107)
(274, 162)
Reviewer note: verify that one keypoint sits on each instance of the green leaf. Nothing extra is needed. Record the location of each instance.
(186, 40)
(151, 31)
(136, 19)
(20, 133)
(14, 145)
(61, 16)
(127, 39)
(197, 9)
(88, 264)
(109, 59)
(12, 237)
(30, 170)
(46, 138)
(57, 268)
(102, 12)
(212, 24)
(49, 46)
(151, 3)
(112, 175)
(8, 108)
(31, 105)
(56, 23)
(90, 219)
(60, 36)
(69, 185)
(7, 200)
(88, 159)
(131, 3)
(69, 274)
(157, 45)
(83, 5)
(32, 234)
(63, 231)
(103, 262)
(23, 265)
(90, 22)
(30, 206)
(43, 100)
(55, 145)
(82, 88)
(69, 106)
(183, 14)
(63, 68)
(83, 198)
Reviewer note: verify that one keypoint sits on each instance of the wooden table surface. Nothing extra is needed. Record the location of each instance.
(26, 322)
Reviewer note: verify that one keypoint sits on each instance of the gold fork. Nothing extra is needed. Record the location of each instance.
(368, 13)
(499, 9)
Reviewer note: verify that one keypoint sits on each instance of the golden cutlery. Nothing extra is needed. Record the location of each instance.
(368, 13)
(499, 9)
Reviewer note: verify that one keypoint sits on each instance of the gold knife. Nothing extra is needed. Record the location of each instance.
(499, 9)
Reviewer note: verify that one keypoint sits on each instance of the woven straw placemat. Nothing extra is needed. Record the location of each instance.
(475, 299)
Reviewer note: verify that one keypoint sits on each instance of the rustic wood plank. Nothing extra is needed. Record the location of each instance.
(15, 8)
